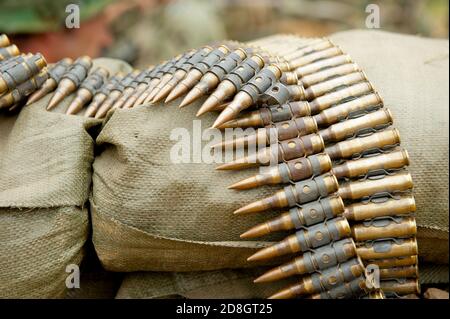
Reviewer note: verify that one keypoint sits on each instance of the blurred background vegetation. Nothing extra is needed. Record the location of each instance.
(147, 31)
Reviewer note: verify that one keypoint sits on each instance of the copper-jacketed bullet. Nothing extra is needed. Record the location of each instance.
(305, 239)
(323, 281)
(55, 74)
(4, 40)
(232, 83)
(102, 94)
(298, 193)
(249, 93)
(9, 52)
(183, 69)
(311, 261)
(197, 71)
(215, 75)
(71, 80)
(87, 90)
(291, 171)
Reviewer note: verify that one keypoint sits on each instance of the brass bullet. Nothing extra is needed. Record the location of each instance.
(87, 90)
(197, 71)
(367, 123)
(4, 40)
(390, 183)
(249, 93)
(277, 153)
(341, 111)
(215, 75)
(388, 248)
(328, 279)
(233, 82)
(380, 207)
(394, 262)
(102, 94)
(183, 69)
(390, 227)
(314, 260)
(400, 272)
(267, 115)
(55, 74)
(400, 286)
(305, 239)
(309, 214)
(380, 162)
(71, 80)
(291, 171)
(380, 140)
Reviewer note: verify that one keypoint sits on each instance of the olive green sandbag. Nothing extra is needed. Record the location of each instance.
(150, 214)
(45, 181)
(217, 284)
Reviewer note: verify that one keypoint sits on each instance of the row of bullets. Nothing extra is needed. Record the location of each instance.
(20, 74)
(324, 131)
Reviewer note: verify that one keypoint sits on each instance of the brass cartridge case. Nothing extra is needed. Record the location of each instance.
(389, 183)
(8, 52)
(327, 74)
(400, 286)
(366, 123)
(400, 272)
(342, 111)
(360, 167)
(311, 68)
(339, 96)
(394, 262)
(393, 227)
(310, 58)
(360, 145)
(380, 208)
(389, 248)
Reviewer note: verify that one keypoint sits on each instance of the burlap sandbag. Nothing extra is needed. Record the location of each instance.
(150, 214)
(45, 178)
(218, 284)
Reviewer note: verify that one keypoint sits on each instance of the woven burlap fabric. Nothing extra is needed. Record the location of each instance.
(218, 284)
(431, 273)
(45, 180)
(411, 75)
(151, 214)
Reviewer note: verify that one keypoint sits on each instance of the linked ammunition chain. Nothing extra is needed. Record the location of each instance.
(323, 134)
(20, 74)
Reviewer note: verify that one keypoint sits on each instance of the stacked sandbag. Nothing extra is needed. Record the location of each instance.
(45, 182)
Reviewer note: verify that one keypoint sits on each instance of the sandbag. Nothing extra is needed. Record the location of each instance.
(45, 180)
(151, 214)
(218, 284)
